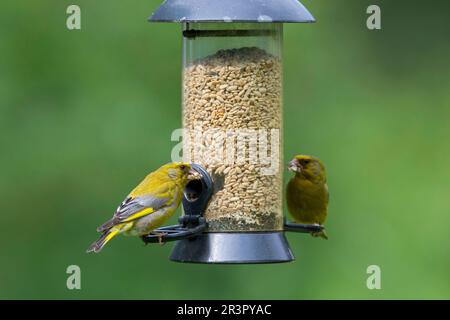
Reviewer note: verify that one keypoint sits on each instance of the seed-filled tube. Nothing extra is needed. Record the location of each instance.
(232, 120)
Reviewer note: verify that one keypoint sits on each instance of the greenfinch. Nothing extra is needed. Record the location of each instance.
(307, 192)
(149, 205)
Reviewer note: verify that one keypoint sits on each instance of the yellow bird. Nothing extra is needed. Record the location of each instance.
(149, 205)
(307, 192)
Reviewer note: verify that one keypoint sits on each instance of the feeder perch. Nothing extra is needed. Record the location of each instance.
(232, 122)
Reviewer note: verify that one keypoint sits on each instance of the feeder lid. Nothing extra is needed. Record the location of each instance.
(231, 11)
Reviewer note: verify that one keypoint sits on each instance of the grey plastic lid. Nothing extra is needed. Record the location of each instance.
(231, 11)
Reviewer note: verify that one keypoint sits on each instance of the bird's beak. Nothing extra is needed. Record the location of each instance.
(194, 175)
(294, 166)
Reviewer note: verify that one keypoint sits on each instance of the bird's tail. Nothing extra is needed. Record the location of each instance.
(98, 245)
(107, 225)
(322, 234)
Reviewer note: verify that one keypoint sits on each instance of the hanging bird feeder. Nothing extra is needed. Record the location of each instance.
(232, 122)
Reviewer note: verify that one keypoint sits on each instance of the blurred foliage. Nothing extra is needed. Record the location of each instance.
(84, 115)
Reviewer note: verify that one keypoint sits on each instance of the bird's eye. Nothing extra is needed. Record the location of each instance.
(182, 167)
(305, 161)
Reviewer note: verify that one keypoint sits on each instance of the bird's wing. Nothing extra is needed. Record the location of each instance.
(133, 208)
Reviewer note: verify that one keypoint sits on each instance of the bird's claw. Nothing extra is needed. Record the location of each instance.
(160, 238)
(159, 235)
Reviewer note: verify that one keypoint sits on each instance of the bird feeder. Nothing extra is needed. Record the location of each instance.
(232, 122)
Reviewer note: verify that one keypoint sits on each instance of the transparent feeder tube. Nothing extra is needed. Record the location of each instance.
(232, 120)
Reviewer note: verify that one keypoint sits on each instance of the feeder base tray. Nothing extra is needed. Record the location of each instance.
(233, 247)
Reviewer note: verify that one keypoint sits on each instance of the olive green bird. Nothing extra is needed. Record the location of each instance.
(307, 192)
(149, 205)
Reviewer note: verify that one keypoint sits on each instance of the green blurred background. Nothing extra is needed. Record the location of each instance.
(84, 115)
